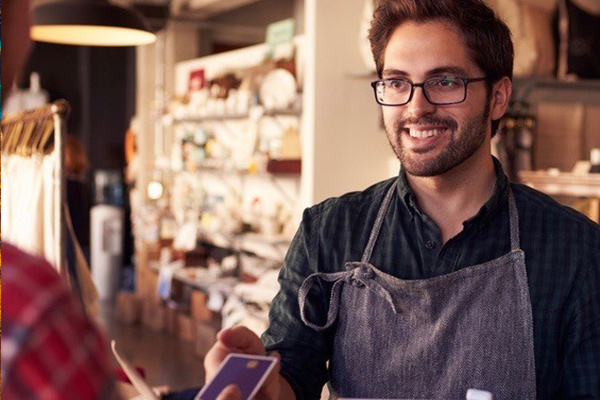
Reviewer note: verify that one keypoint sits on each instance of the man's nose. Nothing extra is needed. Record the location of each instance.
(419, 105)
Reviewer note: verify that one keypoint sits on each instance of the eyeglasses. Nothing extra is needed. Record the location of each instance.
(439, 91)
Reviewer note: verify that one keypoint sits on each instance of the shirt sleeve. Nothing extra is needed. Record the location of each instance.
(304, 351)
(582, 350)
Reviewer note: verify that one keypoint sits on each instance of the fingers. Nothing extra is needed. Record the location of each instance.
(231, 392)
(238, 339)
(271, 387)
(278, 365)
(242, 339)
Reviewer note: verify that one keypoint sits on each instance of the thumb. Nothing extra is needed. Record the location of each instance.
(231, 392)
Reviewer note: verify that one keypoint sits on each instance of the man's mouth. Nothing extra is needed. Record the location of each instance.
(424, 134)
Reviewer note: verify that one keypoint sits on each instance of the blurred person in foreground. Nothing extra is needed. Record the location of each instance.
(50, 349)
(448, 276)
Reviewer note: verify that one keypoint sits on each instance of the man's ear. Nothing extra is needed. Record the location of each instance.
(500, 98)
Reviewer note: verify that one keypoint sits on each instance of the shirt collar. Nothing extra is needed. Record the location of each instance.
(499, 196)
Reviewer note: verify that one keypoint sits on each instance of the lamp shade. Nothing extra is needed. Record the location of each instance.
(89, 23)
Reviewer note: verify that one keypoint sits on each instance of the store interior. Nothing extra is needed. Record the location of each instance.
(188, 162)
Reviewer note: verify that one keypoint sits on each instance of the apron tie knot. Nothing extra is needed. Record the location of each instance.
(365, 272)
(357, 274)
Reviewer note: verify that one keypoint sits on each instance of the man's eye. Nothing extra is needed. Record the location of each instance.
(446, 83)
(396, 84)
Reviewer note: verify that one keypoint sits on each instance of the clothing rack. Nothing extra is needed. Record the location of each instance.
(29, 132)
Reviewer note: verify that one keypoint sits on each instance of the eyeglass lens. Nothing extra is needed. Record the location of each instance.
(437, 91)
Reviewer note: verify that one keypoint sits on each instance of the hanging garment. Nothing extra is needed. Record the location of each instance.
(6, 194)
(26, 221)
(430, 338)
(49, 212)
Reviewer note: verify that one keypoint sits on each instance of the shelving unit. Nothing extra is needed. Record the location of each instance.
(343, 148)
(270, 113)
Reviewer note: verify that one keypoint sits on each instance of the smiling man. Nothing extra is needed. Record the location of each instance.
(448, 277)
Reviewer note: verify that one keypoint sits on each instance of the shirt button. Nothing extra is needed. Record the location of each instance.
(430, 244)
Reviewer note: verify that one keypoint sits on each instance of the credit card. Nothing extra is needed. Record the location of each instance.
(248, 372)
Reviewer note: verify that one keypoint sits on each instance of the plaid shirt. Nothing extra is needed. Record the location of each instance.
(562, 252)
(50, 350)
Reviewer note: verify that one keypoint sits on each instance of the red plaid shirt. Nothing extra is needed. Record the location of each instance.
(50, 349)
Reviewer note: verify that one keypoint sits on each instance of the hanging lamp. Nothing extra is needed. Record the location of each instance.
(89, 23)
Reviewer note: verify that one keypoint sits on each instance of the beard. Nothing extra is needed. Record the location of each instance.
(471, 137)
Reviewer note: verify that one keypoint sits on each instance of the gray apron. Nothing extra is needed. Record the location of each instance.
(430, 338)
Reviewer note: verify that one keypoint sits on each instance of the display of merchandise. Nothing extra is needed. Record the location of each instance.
(22, 100)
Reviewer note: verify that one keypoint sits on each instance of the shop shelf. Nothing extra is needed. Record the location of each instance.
(271, 113)
(563, 183)
(269, 247)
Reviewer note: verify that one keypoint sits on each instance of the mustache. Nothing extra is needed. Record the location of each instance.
(449, 122)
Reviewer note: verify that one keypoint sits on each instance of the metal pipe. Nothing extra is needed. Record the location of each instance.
(59, 112)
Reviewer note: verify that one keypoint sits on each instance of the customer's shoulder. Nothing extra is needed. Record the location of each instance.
(535, 204)
(29, 282)
(24, 265)
(352, 201)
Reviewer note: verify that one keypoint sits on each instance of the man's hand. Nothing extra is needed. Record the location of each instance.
(240, 339)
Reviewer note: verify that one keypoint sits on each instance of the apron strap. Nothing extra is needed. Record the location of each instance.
(377, 226)
(515, 242)
(334, 300)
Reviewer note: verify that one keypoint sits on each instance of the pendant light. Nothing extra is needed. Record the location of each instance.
(89, 23)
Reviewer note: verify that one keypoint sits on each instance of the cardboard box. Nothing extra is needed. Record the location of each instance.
(154, 316)
(206, 336)
(186, 327)
(128, 308)
(171, 322)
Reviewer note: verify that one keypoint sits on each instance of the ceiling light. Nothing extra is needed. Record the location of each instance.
(89, 23)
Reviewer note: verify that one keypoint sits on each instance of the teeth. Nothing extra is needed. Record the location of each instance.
(425, 134)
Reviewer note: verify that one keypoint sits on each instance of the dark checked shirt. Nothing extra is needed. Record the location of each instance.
(562, 253)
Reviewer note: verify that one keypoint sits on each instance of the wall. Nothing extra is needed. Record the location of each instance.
(350, 150)
(100, 86)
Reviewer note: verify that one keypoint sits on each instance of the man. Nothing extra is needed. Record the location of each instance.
(50, 349)
(447, 277)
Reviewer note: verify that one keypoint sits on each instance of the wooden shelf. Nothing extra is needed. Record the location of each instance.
(563, 183)
(246, 173)
(203, 281)
(269, 247)
(271, 113)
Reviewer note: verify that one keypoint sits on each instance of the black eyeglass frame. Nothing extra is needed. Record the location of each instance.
(466, 82)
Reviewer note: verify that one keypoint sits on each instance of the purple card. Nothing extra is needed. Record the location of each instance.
(246, 371)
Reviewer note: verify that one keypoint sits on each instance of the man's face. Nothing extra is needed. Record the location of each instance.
(454, 132)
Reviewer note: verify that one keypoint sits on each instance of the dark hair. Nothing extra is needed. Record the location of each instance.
(485, 35)
(76, 161)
